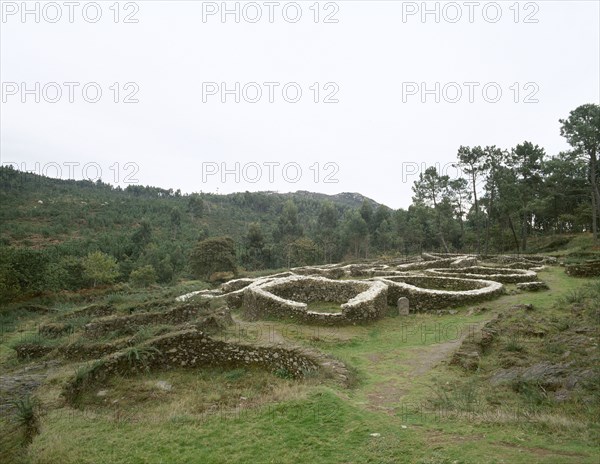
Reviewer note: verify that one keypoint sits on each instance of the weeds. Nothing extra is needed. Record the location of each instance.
(513, 345)
(460, 398)
(235, 374)
(577, 295)
(533, 393)
(141, 356)
(83, 372)
(283, 373)
(27, 417)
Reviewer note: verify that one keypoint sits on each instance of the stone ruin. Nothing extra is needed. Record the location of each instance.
(426, 293)
(356, 293)
(288, 298)
(432, 282)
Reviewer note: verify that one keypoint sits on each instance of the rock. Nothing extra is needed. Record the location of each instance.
(562, 395)
(526, 307)
(164, 385)
(533, 286)
(467, 360)
(102, 393)
(452, 312)
(504, 376)
(375, 434)
(549, 376)
(403, 306)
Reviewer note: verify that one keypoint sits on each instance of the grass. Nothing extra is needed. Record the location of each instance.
(424, 410)
(324, 307)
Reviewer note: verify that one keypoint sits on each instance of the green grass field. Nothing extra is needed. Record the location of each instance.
(407, 403)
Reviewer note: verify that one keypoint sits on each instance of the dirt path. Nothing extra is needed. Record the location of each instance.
(385, 396)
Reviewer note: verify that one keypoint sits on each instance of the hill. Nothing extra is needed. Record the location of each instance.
(53, 222)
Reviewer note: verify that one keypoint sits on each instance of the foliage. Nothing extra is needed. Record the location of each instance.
(143, 276)
(100, 268)
(213, 255)
(66, 235)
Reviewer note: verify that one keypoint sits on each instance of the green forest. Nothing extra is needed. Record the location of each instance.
(67, 235)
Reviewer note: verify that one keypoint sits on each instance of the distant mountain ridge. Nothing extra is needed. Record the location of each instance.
(350, 199)
(42, 211)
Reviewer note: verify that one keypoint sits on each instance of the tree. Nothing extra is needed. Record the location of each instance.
(175, 221)
(459, 196)
(303, 252)
(143, 276)
(288, 226)
(493, 159)
(100, 268)
(564, 193)
(142, 236)
(195, 206)
(384, 236)
(212, 255)
(526, 160)
(431, 190)
(582, 131)
(471, 161)
(254, 256)
(288, 229)
(327, 224)
(366, 212)
(356, 232)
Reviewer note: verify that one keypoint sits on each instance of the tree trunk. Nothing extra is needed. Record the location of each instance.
(595, 194)
(514, 233)
(444, 243)
(476, 214)
(524, 231)
(594, 217)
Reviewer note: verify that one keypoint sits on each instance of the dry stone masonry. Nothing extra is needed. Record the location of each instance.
(193, 349)
(431, 293)
(497, 274)
(288, 298)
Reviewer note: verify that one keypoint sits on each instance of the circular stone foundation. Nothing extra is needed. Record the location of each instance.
(497, 274)
(288, 298)
(428, 293)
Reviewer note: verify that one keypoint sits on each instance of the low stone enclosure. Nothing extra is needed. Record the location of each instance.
(185, 332)
(429, 293)
(288, 298)
(193, 349)
(431, 283)
(497, 274)
(89, 342)
(175, 315)
(586, 269)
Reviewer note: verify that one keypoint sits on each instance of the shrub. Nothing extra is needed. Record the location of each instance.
(100, 268)
(143, 276)
(213, 255)
(27, 416)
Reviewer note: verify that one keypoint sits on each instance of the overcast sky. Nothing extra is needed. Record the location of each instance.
(369, 66)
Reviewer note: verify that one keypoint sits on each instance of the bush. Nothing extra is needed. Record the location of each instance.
(100, 268)
(213, 255)
(143, 276)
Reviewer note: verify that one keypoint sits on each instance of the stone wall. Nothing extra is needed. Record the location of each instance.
(287, 298)
(194, 349)
(427, 264)
(497, 274)
(175, 315)
(95, 310)
(328, 272)
(426, 299)
(586, 269)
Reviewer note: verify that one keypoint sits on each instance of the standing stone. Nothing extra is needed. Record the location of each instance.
(403, 306)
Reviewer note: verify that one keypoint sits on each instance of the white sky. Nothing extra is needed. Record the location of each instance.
(374, 139)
